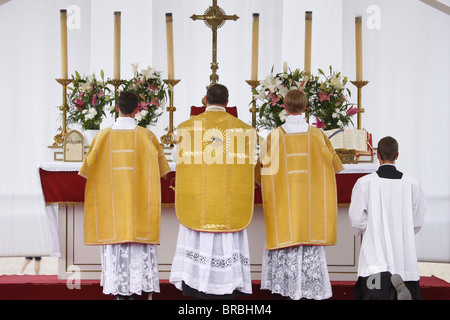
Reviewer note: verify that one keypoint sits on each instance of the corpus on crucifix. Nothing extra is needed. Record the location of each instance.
(214, 18)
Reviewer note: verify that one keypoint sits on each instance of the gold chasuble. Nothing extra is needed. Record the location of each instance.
(123, 194)
(215, 173)
(299, 189)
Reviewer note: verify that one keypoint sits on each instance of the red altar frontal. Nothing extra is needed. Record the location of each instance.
(63, 191)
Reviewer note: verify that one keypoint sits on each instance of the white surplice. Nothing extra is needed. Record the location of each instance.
(212, 263)
(301, 271)
(129, 268)
(389, 212)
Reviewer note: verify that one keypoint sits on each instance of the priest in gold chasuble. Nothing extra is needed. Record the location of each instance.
(122, 207)
(214, 199)
(300, 205)
(215, 183)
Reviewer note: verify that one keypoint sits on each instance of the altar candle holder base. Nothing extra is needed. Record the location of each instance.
(360, 85)
(59, 138)
(169, 139)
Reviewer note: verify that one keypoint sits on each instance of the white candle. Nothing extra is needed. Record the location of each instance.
(170, 53)
(117, 26)
(63, 22)
(359, 57)
(308, 41)
(255, 47)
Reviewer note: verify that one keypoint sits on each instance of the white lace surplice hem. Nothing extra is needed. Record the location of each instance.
(212, 263)
(297, 272)
(129, 268)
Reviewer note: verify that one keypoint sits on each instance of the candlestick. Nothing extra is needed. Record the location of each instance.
(116, 83)
(308, 41)
(359, 57)
(168, 139)
(170, 54)
(360, 85)
(117, 27)
(255, 46)
(253, 109)
(59, 138)
(63, 22)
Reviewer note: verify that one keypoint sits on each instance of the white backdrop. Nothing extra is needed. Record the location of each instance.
(406, 60)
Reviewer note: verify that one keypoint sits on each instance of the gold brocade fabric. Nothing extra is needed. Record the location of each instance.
(299, 189)
(123, 193)
(215, 173)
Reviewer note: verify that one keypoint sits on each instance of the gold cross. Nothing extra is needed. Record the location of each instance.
(214, 18)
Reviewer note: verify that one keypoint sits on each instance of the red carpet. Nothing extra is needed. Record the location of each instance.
(43, 287)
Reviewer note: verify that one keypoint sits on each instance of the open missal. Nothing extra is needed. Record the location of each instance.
(351, 139)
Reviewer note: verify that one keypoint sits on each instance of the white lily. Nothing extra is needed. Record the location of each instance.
(282, 90)
(270, 83)
(149, 73)
(138, 117)
(336, 83)
(85, 86)
(283, 115)
(91, 113)
(110, 108)
(134, 67)
(261, 93)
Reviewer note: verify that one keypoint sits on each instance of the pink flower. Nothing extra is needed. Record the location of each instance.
(155, 102)
(324, 97)
(100, 94)
(94, 100)
(274, 99)
(79, 104)
(352, 111)
(319, 124)
(143, 105)
(152, 87)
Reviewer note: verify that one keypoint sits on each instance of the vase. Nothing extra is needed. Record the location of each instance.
(89, 136)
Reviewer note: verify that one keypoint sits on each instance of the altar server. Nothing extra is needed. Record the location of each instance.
(300, 205)
(214, 202)
(122, 206)
(388, 207)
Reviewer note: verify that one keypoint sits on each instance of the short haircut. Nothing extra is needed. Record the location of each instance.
(295, 101)
(217, 94)
(128, 102)
(388, 149)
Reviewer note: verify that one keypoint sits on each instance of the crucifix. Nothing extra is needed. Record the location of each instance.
(214, 18)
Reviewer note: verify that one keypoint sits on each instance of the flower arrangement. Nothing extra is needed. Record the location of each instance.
(328, 99)
(151, 91)
(272, 91)
(328, 102)
(87, 100)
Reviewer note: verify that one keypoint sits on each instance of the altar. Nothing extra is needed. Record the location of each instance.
(63, 191)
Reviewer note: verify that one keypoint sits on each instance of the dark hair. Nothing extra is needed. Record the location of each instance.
(295, 101)
(217, 94)
(128, 102)
(388, 149)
